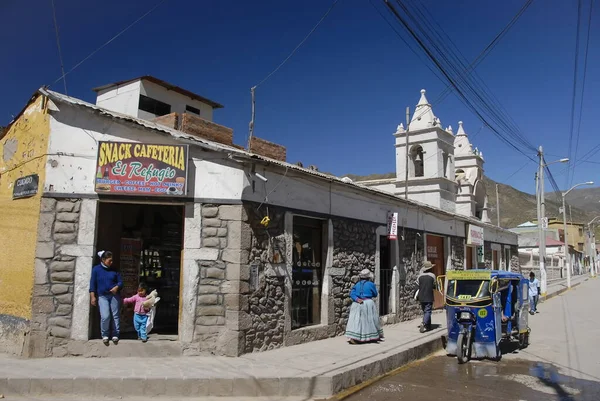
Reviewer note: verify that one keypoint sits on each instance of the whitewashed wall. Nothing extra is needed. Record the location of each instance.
(122, 99)
(175, 99)
(74, 134)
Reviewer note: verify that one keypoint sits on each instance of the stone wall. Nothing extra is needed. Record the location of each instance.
(457, 256)
(222, 285)
(515, 263)
(266, 302)
(354, 247)
(411, 254)
(52, 303)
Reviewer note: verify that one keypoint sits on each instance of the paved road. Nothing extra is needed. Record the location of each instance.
(562, 362)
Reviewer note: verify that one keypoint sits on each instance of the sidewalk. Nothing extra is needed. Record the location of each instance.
(314, 370)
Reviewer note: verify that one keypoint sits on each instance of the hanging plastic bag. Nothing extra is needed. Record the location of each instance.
(150, 321)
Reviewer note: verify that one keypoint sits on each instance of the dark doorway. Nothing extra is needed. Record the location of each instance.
(385, 275)
(147, 241)
(437, 256)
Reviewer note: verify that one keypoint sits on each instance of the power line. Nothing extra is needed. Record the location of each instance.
(253, 89)
(62, 66)
(299, 44)
(518, 170)
(451, 66)
(574, 97)
(109, 41)
(585, 63)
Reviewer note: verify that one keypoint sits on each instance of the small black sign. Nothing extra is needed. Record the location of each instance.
(26, 186)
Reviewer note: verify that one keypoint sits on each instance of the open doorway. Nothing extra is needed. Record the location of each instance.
(436, 254)
(385, 275)
(146, 241)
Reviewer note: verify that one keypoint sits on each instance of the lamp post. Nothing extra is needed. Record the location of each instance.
(542, 216)
(564, 209)
(592, 247)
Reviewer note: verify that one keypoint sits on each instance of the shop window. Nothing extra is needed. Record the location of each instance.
(154, 106)
(192, 109)
(307, 271)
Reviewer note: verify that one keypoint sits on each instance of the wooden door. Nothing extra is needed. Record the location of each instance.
(435, 254)
(469, 258)
(496, 260)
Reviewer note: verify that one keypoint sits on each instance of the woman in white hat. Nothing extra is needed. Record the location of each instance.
(363, 322)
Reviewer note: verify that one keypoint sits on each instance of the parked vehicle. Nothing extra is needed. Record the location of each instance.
(483, 309)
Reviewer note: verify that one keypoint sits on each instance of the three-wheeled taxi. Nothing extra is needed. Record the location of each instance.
(484, 308)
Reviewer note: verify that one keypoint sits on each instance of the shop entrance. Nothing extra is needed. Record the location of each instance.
(146, 241)
(436, 255)
(470, 251)
(385, 275)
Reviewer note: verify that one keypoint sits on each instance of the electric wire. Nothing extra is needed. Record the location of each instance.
(109, 41)
(60, 57)
(574, 96)
(299, 44)
(585, 64)
(452, 68)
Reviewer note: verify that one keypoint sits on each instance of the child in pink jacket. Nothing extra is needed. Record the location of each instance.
(140, 317)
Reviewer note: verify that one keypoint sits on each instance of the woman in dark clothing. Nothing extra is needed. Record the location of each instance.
(105, 285)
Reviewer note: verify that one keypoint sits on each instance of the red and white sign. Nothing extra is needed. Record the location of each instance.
(392, 225)
(475, 235)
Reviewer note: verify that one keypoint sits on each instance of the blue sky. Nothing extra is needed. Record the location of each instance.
(336, 103)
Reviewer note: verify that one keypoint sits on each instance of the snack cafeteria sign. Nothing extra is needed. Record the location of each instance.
(141, 169)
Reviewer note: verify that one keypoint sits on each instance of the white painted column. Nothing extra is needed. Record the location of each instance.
(80, 325)
(327, 312)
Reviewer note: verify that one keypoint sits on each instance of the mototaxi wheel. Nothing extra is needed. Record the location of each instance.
(462, 348)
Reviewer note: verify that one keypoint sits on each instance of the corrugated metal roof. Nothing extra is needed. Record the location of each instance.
(166, 85)
(233, 151)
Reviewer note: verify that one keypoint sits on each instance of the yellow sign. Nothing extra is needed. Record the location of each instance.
(468, 275)
(482, 313)
(465, 297)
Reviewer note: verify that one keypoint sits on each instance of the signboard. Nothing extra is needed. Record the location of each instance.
(544, 223)
(475, 235)
(432, 252)
(468, 275)
(26, 187)
(127, 168)
(392, 225)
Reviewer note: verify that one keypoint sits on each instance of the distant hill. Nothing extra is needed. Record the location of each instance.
(517, 207)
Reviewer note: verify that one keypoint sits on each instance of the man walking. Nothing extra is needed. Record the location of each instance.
(427, 285)
(534, 293)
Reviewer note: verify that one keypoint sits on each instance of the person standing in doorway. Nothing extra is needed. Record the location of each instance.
(427, 285)
(534, 293)
(105, 286)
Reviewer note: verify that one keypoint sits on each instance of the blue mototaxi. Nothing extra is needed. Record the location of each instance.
(483, 309)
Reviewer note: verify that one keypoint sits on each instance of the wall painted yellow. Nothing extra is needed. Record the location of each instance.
(23, 151)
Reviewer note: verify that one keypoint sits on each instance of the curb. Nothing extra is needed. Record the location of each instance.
(310, 385)
(563, 290)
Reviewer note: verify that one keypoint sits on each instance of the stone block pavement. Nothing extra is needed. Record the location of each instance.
(313, 370)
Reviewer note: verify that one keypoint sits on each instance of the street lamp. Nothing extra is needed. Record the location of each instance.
(592, 247)
(541, 214)
(567, 256)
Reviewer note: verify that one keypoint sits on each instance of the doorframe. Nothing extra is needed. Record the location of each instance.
(84, 273)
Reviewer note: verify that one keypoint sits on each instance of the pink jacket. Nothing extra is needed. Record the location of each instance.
(138, 301)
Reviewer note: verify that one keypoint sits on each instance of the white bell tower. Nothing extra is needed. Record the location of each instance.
(430, 159)
(471, 199)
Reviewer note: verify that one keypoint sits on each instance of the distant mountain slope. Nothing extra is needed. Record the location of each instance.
(517, 207)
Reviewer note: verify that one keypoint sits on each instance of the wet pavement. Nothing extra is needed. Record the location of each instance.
(442, 378)
(561, 363)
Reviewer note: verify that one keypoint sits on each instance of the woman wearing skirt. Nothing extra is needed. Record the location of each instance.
(363, 324)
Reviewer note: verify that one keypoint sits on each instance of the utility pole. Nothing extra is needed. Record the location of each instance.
(251, 125)
(406, 151)
(497, 205)
(541, 221)
(567, 253)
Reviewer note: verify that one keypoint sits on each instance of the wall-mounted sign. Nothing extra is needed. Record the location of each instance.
(475, 235)
(141, 169)
(392, 225)
(26, 187)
